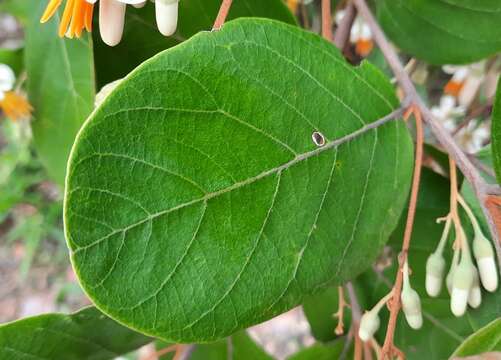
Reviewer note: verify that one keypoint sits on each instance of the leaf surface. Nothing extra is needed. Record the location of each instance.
(486, 339)
(443, 31)
(86, 334)
(197, 203)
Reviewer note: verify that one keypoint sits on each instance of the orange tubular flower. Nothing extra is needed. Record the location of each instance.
(77, 16)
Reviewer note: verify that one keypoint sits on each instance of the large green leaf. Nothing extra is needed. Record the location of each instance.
(443, 31)
(496, 133)
(60, 88)
(86, 334)
(486, 339)
(197, 203)
(142, 40)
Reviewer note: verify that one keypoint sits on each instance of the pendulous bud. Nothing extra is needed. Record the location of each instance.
(484, 254)
(435, 267)
(411, 305)
(462, 281)
(475, 295)
(369, 324)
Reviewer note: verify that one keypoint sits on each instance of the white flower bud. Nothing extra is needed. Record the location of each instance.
(369, 324)
(475, 295)
(435, 266)
(411, 305)
(111, 21)
(462, 281)
(484, 254)
(166, 15)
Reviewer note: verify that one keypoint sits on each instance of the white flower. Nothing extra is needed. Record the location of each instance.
(473, 137)
(465, 82)
(12, 105)
(447, 111)
(360, 35)
(7, 80)
(77, 16)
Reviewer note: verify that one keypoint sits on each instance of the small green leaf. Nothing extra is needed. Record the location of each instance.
(197, 202)
(86, 334)
(319, 309)
(142, 39)
(320, 352)
(60, 88)
(486, 339)
(443, 32)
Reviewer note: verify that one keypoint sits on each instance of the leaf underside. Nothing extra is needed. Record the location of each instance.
(443, 31)
(86, 334)
(197, 203)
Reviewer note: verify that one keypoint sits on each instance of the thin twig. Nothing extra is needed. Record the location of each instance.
(483, 190)
(340, 311)
(326, 20)
(185, 352)
(342, 33)
(389, 348)
(162, 352)
(222, 14)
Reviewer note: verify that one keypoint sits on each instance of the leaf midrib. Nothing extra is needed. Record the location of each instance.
(370, 126)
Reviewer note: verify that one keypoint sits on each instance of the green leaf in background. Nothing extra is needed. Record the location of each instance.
(319, 310)
(496, 132)
(142, 39)
(486, 339)
(86, 334)
(213, 209)
(239, 346)
(60, 87)
(320, 352)
(443, 31)
(19, 8)
(13, 58)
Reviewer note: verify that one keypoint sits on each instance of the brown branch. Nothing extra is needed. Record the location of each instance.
(222, 14)
(481, 166)
(389, 349)
(481, 188)
(326, 20)
(342, 33)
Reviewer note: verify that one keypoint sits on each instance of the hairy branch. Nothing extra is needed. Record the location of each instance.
(482, 189)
